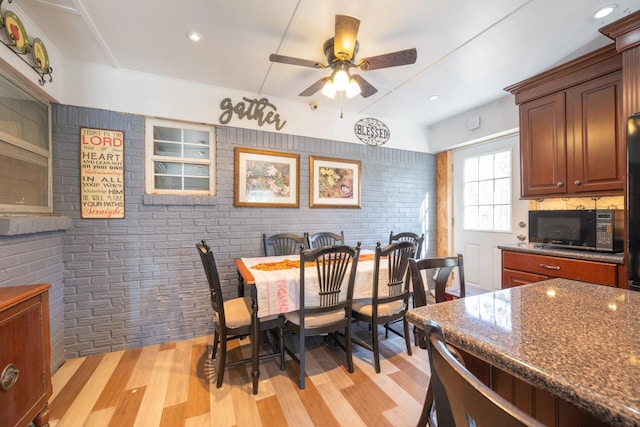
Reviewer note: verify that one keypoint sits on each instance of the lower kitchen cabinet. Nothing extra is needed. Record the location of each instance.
(520, 268)
(25, 385)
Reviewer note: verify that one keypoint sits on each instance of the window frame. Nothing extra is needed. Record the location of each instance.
(493, 204)
(151, 158)
(31, 149)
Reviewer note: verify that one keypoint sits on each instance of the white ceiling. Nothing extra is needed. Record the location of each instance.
(468, 51)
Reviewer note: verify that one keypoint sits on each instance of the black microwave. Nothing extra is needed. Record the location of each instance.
(594, 230)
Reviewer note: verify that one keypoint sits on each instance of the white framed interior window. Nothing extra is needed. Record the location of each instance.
(25, 151)
(487, 192)
(180, 158)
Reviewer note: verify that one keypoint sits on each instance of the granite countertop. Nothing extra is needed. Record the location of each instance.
(540, 249)
(576, 340)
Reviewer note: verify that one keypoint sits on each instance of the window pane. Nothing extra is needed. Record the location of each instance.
(485, 218)
(196, 152)
(167, 133)
(503, 191)
(23, 183)
(196, 170)
(471, 193)
(471, 169)
(196, 136)
(196, 184)
(168, 168)
(167, 149)
(23, 117)
(502, 218)
(485, 192)
(471, 217)
(169, 182)
(502, 164)
(485, 167)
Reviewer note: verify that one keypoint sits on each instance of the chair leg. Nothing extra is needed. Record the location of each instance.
(221, 363)
(407, 337)
(216, 340)
(348, 348)
(376, 348)
(281, 338)
(425, 417)
(301, 351)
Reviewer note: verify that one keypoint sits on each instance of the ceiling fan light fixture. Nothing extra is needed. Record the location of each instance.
(329, 89)
(341, 80)
(353, 88)
(194, 36)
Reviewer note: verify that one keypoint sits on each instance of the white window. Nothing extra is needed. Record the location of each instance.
(487, 192)
(25, 153)
(180, 158)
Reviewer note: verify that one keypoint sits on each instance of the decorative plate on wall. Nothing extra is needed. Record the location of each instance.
(40, 55)
(16, 32)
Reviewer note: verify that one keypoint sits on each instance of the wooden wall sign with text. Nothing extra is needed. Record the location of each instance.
(101, 173)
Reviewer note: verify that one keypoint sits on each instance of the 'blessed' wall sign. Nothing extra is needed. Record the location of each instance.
(371, 131)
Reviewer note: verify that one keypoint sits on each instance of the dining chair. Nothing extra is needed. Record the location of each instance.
(325, 304)
(461, 398)
(436, 270)
(325, 238)
(411, 237)
(390, 296)
(232, 318)
(284, 244)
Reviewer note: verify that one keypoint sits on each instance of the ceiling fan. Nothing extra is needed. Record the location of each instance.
(341, 51)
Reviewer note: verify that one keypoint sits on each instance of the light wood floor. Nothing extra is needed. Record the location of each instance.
(174, 385)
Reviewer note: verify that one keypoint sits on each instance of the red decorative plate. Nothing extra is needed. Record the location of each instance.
(16, 32)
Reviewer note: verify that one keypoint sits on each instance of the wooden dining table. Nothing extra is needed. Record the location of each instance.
(274, 286)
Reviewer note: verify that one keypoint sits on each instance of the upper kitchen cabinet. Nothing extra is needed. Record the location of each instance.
(572, 129)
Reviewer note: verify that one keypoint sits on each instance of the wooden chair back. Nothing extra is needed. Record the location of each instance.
(411, 237)
(461, 399)
(444, 266)
(325, 238)
(213, 279)
(284, 244)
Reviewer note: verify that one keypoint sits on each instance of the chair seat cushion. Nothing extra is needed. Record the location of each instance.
(237, 312)
(366, 307)
(316, 320)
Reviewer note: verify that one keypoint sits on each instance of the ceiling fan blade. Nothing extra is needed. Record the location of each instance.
(401, 57)
(314, 87)
(295, 61)
(366, 88)
(346, 36)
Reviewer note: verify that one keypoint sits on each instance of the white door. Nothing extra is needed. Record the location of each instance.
(487, 209)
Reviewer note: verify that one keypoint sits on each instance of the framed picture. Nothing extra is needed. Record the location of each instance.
(335, 183)
(266, 179)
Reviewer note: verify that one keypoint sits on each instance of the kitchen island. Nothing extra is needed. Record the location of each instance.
(576, 341)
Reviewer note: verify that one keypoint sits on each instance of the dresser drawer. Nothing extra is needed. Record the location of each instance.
(586, 271)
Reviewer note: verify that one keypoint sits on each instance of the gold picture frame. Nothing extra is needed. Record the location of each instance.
(266, 179)
(334, 183)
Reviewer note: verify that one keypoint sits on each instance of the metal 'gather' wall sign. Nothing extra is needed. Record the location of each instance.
(260, 110)
(371, 131)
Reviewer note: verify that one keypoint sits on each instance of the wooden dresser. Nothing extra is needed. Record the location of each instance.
(25, 375)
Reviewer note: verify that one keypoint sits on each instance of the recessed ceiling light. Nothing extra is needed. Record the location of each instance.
(605, 11)
(433, 98)
(194, 36)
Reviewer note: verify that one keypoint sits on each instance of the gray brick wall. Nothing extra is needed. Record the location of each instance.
(37, 258)
(138, 281)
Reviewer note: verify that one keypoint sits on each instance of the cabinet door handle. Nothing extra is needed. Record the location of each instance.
(578, 182)
(550, 267)
(9, 377)
(559, 184)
